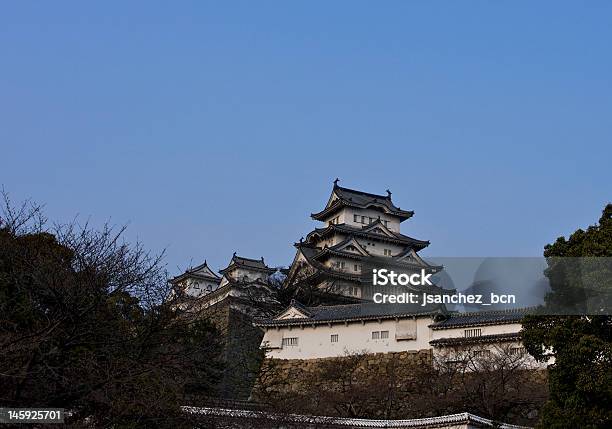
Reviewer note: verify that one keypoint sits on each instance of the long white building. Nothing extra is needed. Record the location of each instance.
(331, 331)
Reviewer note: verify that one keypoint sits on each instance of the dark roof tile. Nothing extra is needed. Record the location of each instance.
(481, 318)
(355, 198)
(366, 311)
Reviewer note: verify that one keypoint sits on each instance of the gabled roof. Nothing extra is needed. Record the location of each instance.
(395, 237)
(312, 253)
(350, 241)
(377, 227)
(410, 256)
(201, 272)
(356, 312)
(344, 248)
(482, 318)
(295, 308)
(345, 197)
(247, 263)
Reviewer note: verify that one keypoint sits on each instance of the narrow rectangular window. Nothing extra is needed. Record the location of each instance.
(355, 218)
(517, 351)
(384, 334)
(342, 264)
(375, 335)
(334, 338)
(291, 342)
(469, 333)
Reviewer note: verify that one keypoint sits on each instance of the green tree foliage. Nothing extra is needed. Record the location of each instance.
(580, 380)
(87, 323)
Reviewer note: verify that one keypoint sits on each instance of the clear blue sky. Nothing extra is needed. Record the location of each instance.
(219, 126)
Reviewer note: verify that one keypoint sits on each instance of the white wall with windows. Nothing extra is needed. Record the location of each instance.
(390, 335)
(337, 339)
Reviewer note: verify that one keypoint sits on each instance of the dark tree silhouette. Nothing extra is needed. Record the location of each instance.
(87, 323)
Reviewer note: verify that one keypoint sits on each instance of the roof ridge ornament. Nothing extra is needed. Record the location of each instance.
(336, 182)
(388, 194)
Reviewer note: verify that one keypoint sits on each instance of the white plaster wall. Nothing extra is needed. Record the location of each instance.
(486, 330)
(378, 248)
(315, 342)
(239, 274)
(197, 287)
(348, 217)
(349, 264)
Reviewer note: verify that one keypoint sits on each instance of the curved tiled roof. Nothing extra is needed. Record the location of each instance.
(353, 198)
(193, 273)
(467, 419)
(253, 264)
(482, 318)
(312, 253)
(494, 338)
(396, 237)
(351, 312)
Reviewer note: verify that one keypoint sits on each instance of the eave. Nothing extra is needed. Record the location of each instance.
(461, 341)
(402, 239)
(307, 321)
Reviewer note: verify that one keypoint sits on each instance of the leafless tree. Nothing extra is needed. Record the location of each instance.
(87, 323)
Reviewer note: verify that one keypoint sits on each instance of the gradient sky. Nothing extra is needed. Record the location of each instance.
(213, 127)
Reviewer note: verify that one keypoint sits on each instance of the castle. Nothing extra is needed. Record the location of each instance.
(361, 230)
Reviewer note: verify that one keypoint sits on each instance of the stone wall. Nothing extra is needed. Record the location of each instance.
(297, 372)
(241, 353)
(401, 385)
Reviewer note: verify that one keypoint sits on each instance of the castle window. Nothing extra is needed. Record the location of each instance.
(334, 338)
(387, 252)
(371, 219)
(375, 335)
(356, 267)
(470, 333)
(362, 219)
(355, 218)
(517, 351)
(290, 342)
(482, 353)
(342, 265)
(384, 335)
